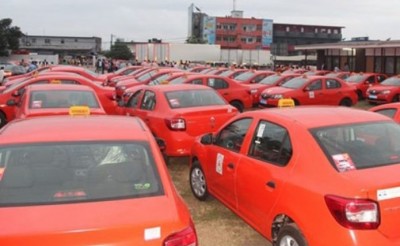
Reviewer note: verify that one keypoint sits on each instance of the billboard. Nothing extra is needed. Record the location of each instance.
(209, 26)
(266, 39)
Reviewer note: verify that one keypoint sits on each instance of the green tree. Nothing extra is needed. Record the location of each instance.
(9, 37)
(195, 40)
(119, 51)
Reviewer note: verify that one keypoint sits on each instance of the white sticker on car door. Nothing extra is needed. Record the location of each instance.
(219, 163)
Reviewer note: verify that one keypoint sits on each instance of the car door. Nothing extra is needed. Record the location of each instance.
(146, 106)
(333, 91)
(223, 157)
(261, 174)
(133, 102)
(221, 86)
(311, 94)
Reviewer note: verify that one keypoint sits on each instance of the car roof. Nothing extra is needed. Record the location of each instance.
(170, 87)
(74, 128)
(318, 116)
(57, 87)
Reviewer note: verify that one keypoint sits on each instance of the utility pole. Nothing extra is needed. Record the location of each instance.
(111, 42)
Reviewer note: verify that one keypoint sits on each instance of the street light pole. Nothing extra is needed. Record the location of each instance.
(111, 43)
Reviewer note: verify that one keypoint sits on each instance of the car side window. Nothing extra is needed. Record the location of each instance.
(258, 78)
(371, 79)
(315, 85)
(196, 82)
(332, 84)
(390, 112)
(271, 143)
(232, 136)
(381, 78)
(149, 101)
(217, 83)
(69, 82)
(133, 101)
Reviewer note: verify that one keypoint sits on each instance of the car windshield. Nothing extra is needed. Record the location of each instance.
(178, 80)
(159, 79)
(244, 76)
(62, 99)
(193, 98)
(52, 173)
(147, 75)
(360, 146)
(227, 73)
(392, 81)
(295, 83)
(270, 80)
(355, 78)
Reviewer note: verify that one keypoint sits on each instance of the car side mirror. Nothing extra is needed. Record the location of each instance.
(207, 139)
(11, 102)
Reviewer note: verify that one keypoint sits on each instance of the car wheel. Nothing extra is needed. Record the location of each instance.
(237, 105)
(290, 235)
(198, 183)
(396, 98)
(3, 119)
(345, 102)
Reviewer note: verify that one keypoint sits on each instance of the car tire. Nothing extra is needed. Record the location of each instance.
(396, 98)
(345, 102)
(3, 120)
(290, 235)
(360, 95)
(198, 183)
(237, 105)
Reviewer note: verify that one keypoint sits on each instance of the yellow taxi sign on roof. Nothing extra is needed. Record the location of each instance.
(55, 81)
(286, 103)
(79, 111)
(164, 82)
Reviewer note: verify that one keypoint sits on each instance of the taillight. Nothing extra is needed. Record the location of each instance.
(354, 213)
(187, 237)
(176, 124)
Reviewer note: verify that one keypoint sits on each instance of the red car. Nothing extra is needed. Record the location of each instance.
(267, 82)
(311, 90)
(392, 110)
(341, 75)
(253, 76)
(178, 113)
(233, 73)
(105, 94)
(238, 95)
(119, 78)
(143, 79)
(385, 92)
(55, 99)
(120, 72)
(305, 176)
(98, 180)
(362, 81)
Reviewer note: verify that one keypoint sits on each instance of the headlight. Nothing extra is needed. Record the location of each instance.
(277, 96)
(385, 92)
(253, 91)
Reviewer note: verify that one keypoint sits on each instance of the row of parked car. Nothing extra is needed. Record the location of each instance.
(315, 175)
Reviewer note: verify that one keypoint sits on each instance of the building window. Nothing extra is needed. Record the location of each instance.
(302, 29)
(33, 40)
(316, 30)
(62, 41)
(329, 31)
(335, 31)
(389, 65)
(219, 26)
(288, 29)
(76, 40)
(47, 41)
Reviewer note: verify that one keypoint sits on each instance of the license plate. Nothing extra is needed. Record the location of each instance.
(372, 97)
(263, 101)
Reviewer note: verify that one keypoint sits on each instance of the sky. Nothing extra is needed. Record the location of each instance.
(140, 20)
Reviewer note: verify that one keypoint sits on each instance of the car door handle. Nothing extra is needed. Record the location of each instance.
(271, 184)
(231, 166)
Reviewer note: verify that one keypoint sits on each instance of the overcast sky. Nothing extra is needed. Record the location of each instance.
(140, 20)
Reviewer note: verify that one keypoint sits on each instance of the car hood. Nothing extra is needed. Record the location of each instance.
(118, 222)
(383, 87)
(277, 90)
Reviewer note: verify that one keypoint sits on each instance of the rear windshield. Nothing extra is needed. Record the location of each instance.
(62, 99)
(55, 173)
(193, 98)
(244, 76)
(359, 146)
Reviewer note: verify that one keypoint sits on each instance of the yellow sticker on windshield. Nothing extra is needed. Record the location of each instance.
(79, 110)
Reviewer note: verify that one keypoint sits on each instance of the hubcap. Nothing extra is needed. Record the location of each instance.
(198, 182)
(288, 241)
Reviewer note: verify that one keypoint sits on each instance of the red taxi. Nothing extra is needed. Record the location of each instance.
(105, 94)
(273, 80)
(385, 92)
(120, 72)
(85, 181)
(340, 74)
(392, 110)
(119, 78)
(49, 99)
(178, 113)
(143, 79)
(238, 95)
(252, 76)
(362, 81)
(310, 175)
(311, 90)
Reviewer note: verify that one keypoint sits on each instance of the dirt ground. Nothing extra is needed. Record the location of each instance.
(215, 224)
